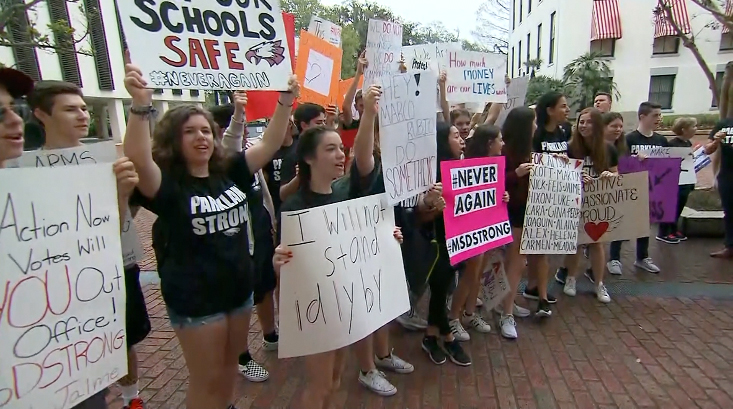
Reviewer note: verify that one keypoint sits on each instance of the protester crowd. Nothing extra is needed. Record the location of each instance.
(190, 161)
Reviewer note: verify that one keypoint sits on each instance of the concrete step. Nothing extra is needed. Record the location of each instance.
(697, 223)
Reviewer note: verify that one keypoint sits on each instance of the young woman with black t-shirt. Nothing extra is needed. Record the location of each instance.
(600, 160)
(202, 233)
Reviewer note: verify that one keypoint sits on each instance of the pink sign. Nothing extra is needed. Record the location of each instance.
(475, 215)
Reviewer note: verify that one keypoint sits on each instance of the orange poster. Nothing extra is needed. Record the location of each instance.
(344, 86)
(318, 68)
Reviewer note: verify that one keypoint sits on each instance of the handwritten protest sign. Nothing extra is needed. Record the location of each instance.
(383, 50)
(553, 206)
(700, 159)
(516, 94)
(476, 77)
(494, 283)
(475, 215)
(101, 152)
(346, 278)
(687, 172)
(318, 68)
(428, 57)
(62, 318)
(208, 45)
(615, 209)
(664, 174)
(407, 134)
(325, 30)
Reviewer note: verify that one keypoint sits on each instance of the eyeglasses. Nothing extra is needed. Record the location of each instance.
(5, 111)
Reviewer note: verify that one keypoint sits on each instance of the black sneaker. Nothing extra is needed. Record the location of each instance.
(590, 276)
(543, 309)
(456, 353)
(680, 236)
(435, 352)
(669, 239)
(561, 275)
(533, 294)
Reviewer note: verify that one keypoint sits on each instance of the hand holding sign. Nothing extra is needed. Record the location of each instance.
(240, 100)
(127, 177)
(136, 85)
(371, 99)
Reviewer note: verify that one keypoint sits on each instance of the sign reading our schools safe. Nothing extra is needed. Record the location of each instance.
(62, 315)
(407, 134)
(475, 215)
(101, 152)
(664, 175)
(208, 44)
(383, 49)
(475, 77)
(346, 278)
(614, 209)
(553, 206)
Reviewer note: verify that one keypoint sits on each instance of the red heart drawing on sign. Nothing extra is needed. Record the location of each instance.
(595, 230)
(578, 163)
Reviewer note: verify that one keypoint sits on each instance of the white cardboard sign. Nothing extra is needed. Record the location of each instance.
(325, 30)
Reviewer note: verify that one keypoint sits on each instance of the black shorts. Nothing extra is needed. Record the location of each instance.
(516, 216)
(137, 321)
(265, 279)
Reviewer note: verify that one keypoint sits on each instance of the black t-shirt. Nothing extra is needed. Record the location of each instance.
(678, 142)
(551, 142)
(290, 160)
(726, 149)
(202, 240)
(353, 125)
(638, 142)
(274, 170)
(261, 222)
(589, 169)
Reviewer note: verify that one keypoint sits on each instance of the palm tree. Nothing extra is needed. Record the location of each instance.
(532, 65)
(587, 75)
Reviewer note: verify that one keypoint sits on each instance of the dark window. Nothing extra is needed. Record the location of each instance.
(26, 59)
(99, 43)
(177, 92)
(520, 10)
(194, 93)
(726, 41)
(158, 91)
(512, 64)
(539, 41)
(718, 86)
(529, 56)
(606, 47)
(666, 45)
(65, 50)
(529, 6)
(514, 14)
(661, 90)
(552, 38)
(123, 41)
(519, 59)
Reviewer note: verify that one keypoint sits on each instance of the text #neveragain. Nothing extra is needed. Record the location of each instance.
(383, 51)
(475, 77)
(553, 206)
(346, 278)
(407, 134)
(664, 174)
(62, 287)
(89, 154)
(208, 44)
(475, 215)
(614, 209)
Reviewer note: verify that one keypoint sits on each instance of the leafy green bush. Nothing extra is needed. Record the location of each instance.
(539, 85)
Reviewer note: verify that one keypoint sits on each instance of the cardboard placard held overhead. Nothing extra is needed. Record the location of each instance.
(318, 69)
(326, 30)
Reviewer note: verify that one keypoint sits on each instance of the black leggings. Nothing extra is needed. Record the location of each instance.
(439, 282)
(725, 188)
(666, 229)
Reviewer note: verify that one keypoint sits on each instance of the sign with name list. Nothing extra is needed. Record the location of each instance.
(383, 51)
(614, 209)
(346, 278)
(494, 283)
(407, 134)
(688, 175)
(88, 154)
(62, 320)
(475, 77)
(553, 206)
(516, 94)
(208, 45)
(664, 174)
(475, 215)
(318, 69)
(325, 30)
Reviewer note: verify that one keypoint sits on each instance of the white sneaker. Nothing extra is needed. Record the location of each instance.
(517, 311)
(569, 288)
(508, 327)
(394, 363)
(377, 382)
(476, 322)
(614, 267)
(269, 346)
(459, 333)
(479, 303)
(602, 294)
(254, 372)
(647, 264)
(411, 321)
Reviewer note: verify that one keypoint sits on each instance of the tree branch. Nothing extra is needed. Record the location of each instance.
(19, 8)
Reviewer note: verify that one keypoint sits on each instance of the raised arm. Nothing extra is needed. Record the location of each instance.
(234, 134)
(493, 113)
(444, 105)
(137, 144)
(262, 153)
(364, 141)
(361, 64)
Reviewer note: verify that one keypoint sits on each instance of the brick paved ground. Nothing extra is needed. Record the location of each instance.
(638, 352)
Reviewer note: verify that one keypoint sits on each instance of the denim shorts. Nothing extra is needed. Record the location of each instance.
(179, 321)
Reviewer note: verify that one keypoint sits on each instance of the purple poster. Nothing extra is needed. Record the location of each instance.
(664, 176)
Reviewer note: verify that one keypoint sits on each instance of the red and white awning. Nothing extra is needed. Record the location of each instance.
(663, 28)
(728, 12)
(606, 20)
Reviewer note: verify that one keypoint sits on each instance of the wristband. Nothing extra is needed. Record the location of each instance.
(143, 111)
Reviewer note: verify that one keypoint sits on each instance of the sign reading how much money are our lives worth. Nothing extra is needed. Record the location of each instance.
(664, 174)
(101, 152)
(346, 278)
(407, 134)
(553, 206)
(475, 215)
(208, 44)
(475, 77)
(62, 315)
(614, 209)
(383, 51)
